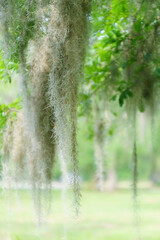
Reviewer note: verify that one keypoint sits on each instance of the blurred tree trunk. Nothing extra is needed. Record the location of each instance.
(98, 146)
(155, 166)
(102, 123)
(111, 183)
(155, 175)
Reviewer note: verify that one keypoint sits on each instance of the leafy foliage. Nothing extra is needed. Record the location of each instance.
(7, 111)
(6, 68)
(123, 60)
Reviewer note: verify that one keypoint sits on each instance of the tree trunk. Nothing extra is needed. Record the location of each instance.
(98, 147)
(111, 183)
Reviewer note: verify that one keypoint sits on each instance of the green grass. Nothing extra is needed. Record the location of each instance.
(104, 216)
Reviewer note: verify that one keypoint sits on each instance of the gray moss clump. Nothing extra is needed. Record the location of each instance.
(48, 40)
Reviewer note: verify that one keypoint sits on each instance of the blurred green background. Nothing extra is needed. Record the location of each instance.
(123, 51)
